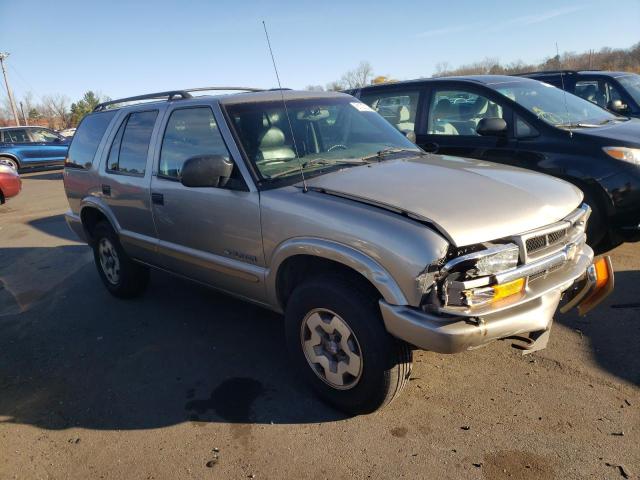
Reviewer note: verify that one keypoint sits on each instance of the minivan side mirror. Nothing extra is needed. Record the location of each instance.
(492, 127)
(617, 106)
(206, 171)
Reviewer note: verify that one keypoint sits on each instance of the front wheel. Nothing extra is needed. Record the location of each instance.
(122, 276)
(337, 340)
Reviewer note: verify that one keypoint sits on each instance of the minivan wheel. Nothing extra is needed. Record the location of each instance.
(337, 341)
(123, 277)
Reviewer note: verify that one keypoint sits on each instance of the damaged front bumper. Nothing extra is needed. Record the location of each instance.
(527, 321)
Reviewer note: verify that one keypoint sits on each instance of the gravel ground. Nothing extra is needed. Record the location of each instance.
(187, 383)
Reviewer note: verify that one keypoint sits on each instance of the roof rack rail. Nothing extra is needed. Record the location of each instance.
(544, 72)
(170, 95)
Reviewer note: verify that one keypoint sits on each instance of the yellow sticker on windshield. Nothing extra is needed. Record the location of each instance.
(361, 107)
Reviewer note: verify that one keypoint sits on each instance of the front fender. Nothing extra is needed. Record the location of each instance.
(337, 252)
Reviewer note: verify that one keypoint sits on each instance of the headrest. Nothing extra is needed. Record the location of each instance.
(272, 138)
(443, 107)
(405, 115)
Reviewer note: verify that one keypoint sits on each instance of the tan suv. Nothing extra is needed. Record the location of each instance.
(313, 205)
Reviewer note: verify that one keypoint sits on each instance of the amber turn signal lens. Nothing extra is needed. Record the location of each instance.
(507, 289)
(602, 272)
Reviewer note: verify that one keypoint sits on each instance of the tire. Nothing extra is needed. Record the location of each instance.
(123, 277)
(13, 163)
(327, 304)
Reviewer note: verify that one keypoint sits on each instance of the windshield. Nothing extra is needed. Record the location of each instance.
(631, 83)
(325, 133)
(549, 104)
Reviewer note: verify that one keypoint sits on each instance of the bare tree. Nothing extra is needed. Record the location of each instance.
(358, 77)
(335, 86)
(314, 88)
(56, 107)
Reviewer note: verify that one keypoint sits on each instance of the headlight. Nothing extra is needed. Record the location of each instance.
(485, 262)
(626, 154)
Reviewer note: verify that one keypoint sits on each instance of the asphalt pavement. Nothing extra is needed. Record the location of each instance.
(187, 383)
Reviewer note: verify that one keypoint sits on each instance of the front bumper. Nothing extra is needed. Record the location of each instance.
(530, 317)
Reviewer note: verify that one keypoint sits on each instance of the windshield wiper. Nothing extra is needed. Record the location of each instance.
(577, 125)
(391, 150)
(318, 161)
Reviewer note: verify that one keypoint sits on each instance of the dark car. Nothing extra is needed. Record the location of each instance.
(10, 183)
(28, 147)
(618, 92)
(530, 124)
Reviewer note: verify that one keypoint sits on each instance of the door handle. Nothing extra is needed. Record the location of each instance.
(431, 147)
(157, 198)
(106, 190)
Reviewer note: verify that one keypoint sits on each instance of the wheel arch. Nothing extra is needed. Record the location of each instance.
(295, 258)
(91, 213)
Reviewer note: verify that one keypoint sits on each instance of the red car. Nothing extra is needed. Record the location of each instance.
(10, 183)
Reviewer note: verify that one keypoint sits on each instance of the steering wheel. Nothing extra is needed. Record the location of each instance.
(338, 145)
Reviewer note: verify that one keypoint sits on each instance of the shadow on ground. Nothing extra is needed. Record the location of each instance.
(613, 328)
(81, 358)
(55, 226)
(41, 174)
(181, 352)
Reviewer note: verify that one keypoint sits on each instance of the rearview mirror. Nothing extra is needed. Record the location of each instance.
(617, 106)
(492, 127)
(206, 171)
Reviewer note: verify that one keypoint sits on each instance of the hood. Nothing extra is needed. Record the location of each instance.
(626, 132)
(468, 201)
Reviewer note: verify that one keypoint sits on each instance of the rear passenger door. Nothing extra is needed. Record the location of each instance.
(453, 113)
(126, 176)
(19, 142)
(210, 234)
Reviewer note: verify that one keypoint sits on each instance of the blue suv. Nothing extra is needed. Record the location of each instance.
(28, 147)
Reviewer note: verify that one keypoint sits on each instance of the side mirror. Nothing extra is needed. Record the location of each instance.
(206, 171)
(617, 106)
(492, 127)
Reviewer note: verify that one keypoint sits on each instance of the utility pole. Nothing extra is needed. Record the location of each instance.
(3, 56)
(24, 117)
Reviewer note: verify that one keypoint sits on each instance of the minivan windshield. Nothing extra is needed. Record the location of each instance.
(631, 83)
(324, 134)
(554, 106)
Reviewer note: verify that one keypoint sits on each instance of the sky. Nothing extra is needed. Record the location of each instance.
(124, 48)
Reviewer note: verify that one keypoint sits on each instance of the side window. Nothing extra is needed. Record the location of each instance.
(128, 153)
(612, 93)
(16, 136)
(591, 90)
(43, 135)
(190, 132)
(398, 108)
(87, 138)
(524, 130)
(457, 112)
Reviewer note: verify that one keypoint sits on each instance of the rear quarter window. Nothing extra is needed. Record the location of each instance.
(87, 138)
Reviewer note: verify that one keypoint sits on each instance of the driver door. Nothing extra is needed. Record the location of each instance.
(209, 234)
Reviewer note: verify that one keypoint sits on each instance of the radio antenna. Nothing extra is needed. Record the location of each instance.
(286, 111)
(564, 92)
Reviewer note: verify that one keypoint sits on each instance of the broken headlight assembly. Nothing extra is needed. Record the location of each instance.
(468, 280)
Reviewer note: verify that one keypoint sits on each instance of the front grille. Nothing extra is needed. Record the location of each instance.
(539, 242)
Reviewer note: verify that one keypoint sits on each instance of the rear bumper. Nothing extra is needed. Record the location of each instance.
(532, 317)
(75, 224)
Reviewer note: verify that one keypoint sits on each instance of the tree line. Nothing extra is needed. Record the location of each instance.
(621, 59)
(54, 111)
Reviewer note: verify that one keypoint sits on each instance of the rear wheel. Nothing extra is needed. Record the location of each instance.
(122, 276)
(337, 340)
